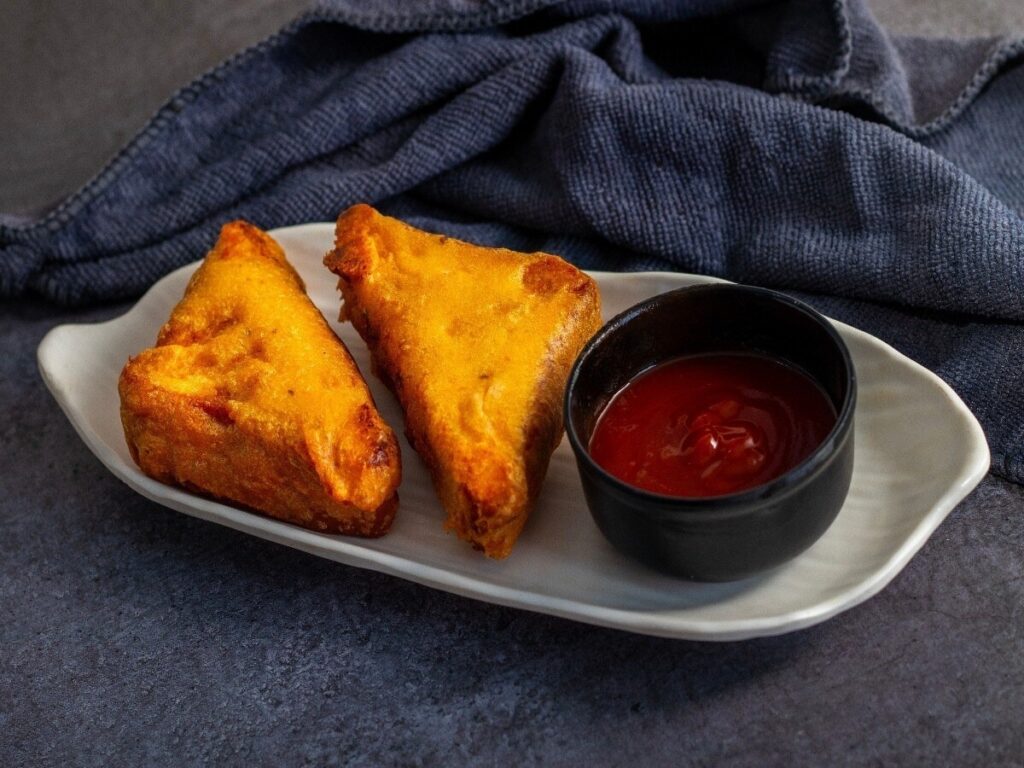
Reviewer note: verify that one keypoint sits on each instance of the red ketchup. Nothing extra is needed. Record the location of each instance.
(710, 425)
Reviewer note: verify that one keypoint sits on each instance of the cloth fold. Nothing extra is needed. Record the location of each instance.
(792, 144)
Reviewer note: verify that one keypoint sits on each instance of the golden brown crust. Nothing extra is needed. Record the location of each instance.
(476, 343)
(248, 396)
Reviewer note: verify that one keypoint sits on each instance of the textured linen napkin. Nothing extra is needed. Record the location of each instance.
(791, 144)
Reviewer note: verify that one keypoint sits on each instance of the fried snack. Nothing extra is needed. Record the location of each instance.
(249, 396)
(477, 344)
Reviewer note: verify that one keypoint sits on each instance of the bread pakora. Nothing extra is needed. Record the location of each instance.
(476, 343)
(248, 396)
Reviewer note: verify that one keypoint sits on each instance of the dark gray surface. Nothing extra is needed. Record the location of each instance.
(78, 80)
(135, 635)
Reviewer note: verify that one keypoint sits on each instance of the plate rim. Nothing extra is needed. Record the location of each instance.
(349, 551)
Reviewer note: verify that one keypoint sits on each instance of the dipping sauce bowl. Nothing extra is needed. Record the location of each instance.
(723, 535)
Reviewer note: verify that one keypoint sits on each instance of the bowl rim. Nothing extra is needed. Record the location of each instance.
(742, 501)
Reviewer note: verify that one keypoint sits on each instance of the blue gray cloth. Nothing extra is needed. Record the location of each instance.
(788, 144)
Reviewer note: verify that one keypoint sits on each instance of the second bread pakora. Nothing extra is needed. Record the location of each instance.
(249, 396)
(477, 344)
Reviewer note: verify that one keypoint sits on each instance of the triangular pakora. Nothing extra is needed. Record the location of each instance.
(477, 344)
(248, 396)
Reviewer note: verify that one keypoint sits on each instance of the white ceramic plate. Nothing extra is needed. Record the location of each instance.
(919, 451)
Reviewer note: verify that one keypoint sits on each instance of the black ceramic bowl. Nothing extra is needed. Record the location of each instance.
(718, 538)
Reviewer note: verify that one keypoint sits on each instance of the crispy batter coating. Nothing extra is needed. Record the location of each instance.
(477, 344)
(249, 396)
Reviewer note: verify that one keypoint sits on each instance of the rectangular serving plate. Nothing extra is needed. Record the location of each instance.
(919, 451)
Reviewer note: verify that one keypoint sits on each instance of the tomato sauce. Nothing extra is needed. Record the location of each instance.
(711, 425)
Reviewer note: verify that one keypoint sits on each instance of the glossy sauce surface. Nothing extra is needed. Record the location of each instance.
(711, 425)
